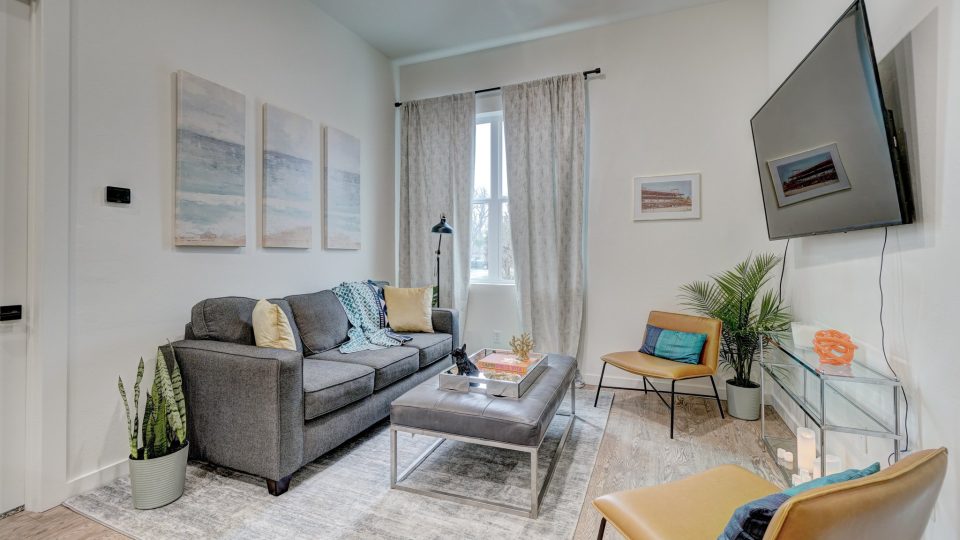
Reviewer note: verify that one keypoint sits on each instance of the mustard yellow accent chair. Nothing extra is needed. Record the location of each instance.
(894, 504)
(647, 366)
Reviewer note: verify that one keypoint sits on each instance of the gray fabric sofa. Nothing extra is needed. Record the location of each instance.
(268, 412)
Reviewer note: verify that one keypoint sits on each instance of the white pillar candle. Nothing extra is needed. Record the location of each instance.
(788, 457)
(780, 452)
(806, 448)
(795, 478)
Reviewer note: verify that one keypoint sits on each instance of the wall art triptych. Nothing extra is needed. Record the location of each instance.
(211, 174)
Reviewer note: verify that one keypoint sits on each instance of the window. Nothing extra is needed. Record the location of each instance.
(491, 256)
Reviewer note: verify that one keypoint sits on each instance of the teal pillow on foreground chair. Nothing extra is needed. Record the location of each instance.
(683, 347)
(836, 478)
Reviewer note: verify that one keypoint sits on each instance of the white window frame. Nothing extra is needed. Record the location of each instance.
(496, 199)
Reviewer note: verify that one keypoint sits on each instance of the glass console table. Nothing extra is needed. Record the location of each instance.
(853, 399)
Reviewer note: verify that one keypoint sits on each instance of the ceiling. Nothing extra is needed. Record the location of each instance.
(410, 31)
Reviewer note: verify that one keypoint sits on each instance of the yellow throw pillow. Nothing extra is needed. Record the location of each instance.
(271, 327)
(408, 310)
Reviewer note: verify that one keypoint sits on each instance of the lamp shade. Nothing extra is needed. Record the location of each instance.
(442, 227)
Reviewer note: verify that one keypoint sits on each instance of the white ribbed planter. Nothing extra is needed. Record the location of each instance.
(158, 481)
(743, 403)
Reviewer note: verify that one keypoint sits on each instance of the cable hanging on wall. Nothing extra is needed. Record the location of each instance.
(883, 349)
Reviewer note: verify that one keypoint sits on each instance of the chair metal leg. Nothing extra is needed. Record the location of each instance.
(717, 395)
(603, 527)
(644, 385)
(599, 384)
(673, 407)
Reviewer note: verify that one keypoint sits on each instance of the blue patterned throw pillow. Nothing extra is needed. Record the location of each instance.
(377, 288)
(673, 345)
(750, 521)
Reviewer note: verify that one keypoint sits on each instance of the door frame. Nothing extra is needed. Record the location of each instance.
(48, 256)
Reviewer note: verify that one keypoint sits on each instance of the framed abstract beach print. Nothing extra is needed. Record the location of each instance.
(341, 196)
(288, 150)
(211, 173)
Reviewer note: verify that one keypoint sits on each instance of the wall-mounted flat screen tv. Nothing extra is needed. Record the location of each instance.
(825, 141)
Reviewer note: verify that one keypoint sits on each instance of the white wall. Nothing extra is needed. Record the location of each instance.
(130, 289)
(676, 96)
(833, 279)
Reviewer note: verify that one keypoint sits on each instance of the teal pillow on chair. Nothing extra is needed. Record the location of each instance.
(673, 345)
(836, 478)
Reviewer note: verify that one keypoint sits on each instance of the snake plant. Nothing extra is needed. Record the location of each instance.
(164, 415)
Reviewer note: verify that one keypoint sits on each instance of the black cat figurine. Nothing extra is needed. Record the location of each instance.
(464, 365)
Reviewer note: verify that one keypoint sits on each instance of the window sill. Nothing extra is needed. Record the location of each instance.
(492, 283)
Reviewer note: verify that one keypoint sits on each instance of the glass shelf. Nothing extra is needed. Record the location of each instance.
(856, 371)
(786, 470)
(855, 398)
(848, 410)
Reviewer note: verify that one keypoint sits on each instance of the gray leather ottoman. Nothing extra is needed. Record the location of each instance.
(515, 424)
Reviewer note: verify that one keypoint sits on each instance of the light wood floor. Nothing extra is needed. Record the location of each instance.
(635, 452)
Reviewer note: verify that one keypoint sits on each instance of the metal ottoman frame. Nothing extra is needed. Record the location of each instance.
(536, 495)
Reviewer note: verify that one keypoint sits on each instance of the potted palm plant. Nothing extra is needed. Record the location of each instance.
(749, 314)
(158, 467)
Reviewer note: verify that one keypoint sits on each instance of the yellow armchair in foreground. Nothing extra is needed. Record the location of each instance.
(894, 504)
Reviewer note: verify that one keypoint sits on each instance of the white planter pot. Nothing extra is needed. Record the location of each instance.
(743, 403)
(158, 481)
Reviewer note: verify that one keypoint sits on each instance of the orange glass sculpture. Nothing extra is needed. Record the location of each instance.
(834, 347)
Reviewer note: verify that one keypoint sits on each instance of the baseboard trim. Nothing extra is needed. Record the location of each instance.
(11, 512)
(97, 478)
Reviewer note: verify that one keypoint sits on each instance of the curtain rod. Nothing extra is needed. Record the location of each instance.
(586, 74)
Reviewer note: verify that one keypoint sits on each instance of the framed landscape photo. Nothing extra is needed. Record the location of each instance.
(666, 197)
(807, 175)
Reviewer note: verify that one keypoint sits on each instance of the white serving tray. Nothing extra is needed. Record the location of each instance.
(495, 384)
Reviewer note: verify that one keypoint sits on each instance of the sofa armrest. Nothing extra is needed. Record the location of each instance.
(244, 405)
(447, 321)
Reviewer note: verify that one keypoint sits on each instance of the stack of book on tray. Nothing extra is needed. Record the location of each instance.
(506, 363)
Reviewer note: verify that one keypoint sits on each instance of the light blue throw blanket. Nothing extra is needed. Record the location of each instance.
(368, 322)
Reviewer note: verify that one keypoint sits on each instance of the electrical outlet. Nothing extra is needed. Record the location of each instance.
(497, 338)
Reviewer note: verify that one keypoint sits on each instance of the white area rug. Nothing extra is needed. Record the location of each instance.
(346, 494)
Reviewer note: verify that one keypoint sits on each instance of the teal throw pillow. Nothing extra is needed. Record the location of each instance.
(673, 345)
(836, 478)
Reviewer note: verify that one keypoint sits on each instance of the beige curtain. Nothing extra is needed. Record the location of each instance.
(545, 138)
(436, 177)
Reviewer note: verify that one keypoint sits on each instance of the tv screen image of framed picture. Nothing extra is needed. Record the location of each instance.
(810, 174)
(666, 197)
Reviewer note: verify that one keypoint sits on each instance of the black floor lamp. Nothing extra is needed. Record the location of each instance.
(441, 229)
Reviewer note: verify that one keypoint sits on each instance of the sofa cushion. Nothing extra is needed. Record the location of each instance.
(228, 319)
(328, 386)
(321, 319)
(389, 365)
(432, 347)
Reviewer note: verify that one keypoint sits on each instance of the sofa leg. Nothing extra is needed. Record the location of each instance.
(279, 487)
(599, 384)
